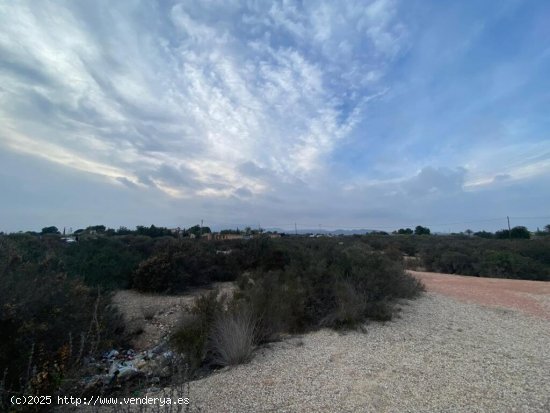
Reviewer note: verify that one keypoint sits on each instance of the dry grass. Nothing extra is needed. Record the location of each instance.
(232, 338)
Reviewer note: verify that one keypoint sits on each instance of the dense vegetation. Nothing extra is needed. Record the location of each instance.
(54, 295)
(48, 321)
(527, 259)
(293, 286)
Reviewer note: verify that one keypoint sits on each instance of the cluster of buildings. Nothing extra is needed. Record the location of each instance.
(218, 236)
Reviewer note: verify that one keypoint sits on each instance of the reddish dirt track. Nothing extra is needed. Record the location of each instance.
(531, 297)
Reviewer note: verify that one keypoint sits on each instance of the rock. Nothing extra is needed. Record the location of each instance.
(166, 372)
(114, 368)
(152, 390)
(161, 348)
(127, 373)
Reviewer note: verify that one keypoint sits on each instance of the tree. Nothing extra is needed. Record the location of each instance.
(124, 231)
(197, 230)
(484, 234)
(420, 230)
(50, 230)
(516, 233)
(406, 231)
(469, 232)
(520, 233)
(154, 231)
(96, 228)
(547, 228)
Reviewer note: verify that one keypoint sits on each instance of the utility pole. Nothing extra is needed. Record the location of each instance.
(295, 229)
(509, 230)
(201, 229)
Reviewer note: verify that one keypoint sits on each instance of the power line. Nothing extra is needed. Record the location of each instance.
(530, 217)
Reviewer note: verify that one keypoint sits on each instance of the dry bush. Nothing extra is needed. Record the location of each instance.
(232, 337)
(190, 338)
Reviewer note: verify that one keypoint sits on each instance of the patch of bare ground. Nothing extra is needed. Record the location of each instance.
(530, 297)
(151, 317)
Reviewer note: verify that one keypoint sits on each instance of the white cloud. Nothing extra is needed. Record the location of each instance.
(125, 92)
(254, 107)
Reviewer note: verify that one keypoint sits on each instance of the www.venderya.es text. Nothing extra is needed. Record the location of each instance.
(99, 401)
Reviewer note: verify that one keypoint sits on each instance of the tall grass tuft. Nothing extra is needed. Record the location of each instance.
(232, 337)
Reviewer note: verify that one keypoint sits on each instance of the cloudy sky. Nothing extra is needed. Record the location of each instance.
(372, 114)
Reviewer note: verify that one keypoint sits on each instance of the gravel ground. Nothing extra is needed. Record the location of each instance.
(441, 355)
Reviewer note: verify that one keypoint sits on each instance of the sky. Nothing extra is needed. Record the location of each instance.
(373, 114)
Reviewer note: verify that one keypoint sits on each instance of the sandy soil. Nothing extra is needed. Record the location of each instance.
(530, 297)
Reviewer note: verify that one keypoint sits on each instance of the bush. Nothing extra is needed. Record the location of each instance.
(350, 306)
(48, 322)
(232, 337)
(160, 273)
(176, 266)
(106, 262)
(337, 288)
(523, 259)
(191, 336)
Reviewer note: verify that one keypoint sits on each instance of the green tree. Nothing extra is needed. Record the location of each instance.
(50, 230)
(520, 232)
(516, 233)
(420, 230)
(96, 228)
(484, 234)
(198, 231)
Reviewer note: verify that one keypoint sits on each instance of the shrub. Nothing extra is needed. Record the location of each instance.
(48, 322)
(232, 337)
(106, 262)
(160, 273)
(509, 265)
(337, 288)
(276, 299)
(350, 306)
(191, 336)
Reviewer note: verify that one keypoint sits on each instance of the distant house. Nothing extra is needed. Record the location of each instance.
(228, 236)
(178, 232)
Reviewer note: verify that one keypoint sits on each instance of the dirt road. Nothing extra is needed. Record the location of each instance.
(530, 297)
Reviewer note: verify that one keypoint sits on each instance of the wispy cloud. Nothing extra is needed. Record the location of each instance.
(281, 107)
(135, 90)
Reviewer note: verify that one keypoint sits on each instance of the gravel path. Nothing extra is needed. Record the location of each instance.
(531, 297)
(441, 355)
